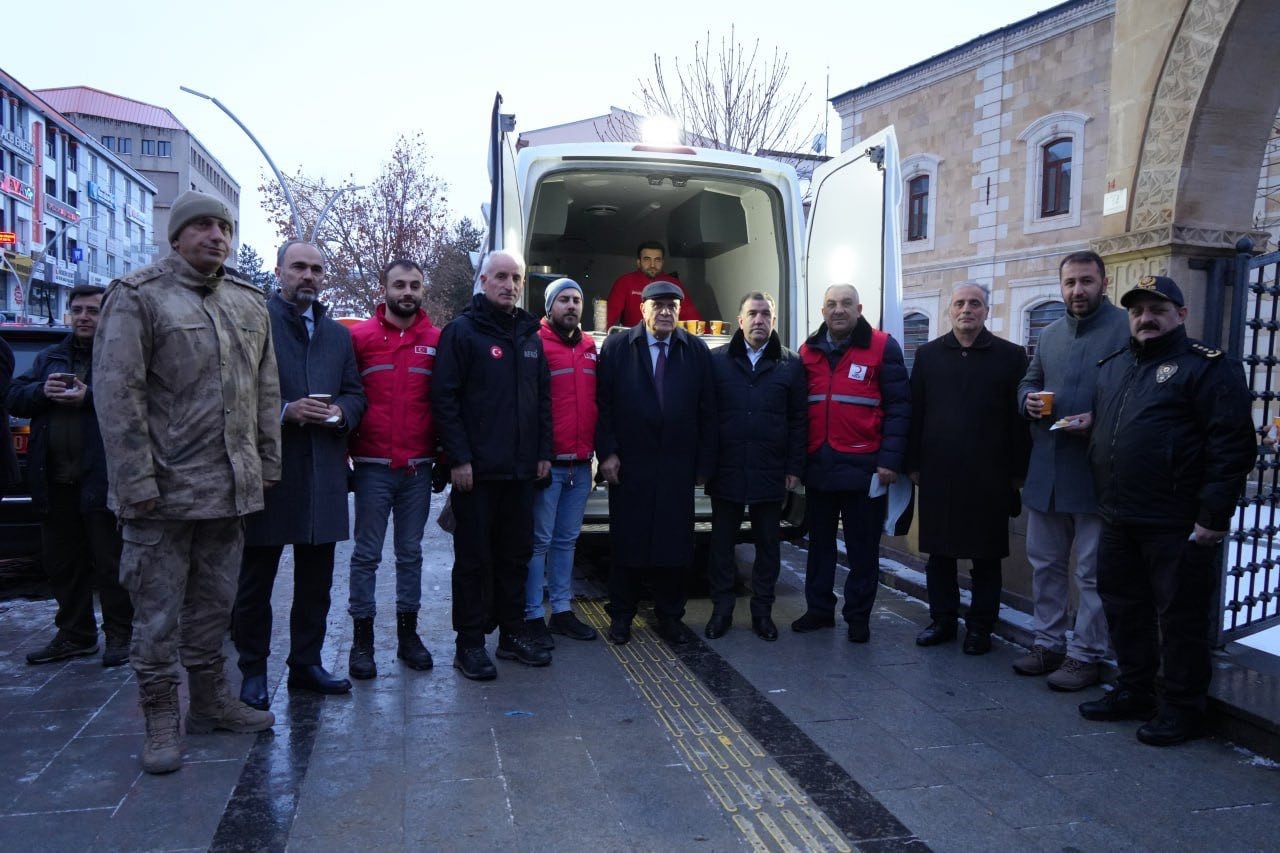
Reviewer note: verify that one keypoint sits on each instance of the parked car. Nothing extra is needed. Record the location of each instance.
(19, 524)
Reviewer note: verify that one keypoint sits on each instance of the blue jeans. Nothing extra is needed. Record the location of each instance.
(381, 490)
(557, 518)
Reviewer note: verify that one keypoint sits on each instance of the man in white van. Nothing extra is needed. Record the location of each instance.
(624, 297)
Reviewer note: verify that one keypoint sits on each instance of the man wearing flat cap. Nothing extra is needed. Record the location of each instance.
(189, 398)
(1172, 442)
(656, 437)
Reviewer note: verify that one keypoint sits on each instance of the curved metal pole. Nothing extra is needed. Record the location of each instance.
(324, 211)
(288, 196)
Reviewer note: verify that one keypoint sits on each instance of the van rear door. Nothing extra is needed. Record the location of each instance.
(853, 235)
(505, 216)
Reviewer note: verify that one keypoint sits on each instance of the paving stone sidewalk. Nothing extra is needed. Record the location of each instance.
(877, 747)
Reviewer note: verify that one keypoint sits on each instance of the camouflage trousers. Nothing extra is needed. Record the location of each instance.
(182, 577)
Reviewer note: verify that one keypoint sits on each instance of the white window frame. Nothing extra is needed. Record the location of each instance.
(1025, 294)
(912, 168)
(1042, 131)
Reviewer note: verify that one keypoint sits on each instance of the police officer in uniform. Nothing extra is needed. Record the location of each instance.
(1172, 443)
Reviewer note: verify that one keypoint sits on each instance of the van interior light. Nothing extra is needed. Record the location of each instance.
(678, 182)
(656, 180)
(660, 130)
(842, 264)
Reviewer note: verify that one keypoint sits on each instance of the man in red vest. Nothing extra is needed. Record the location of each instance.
(859, 422)
(624, 296)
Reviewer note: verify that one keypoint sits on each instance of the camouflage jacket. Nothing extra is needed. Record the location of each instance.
(187, 393)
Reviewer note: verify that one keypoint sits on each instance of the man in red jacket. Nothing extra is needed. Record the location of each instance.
(393, 450)
(558, 507)
(624, 297)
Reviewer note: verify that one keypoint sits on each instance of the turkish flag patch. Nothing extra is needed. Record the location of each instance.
(495, 351)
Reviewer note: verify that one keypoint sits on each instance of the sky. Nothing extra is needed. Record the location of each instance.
(328, 86)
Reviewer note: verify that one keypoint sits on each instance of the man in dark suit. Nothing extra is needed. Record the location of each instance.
(8, 458)
(308, 509)
(656, 438)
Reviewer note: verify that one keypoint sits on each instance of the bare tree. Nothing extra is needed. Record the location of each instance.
(400, 214)
(729, 98)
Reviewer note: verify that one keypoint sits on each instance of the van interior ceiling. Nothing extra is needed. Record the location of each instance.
(723, 236)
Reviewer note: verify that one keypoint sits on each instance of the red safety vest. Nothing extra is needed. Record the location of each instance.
(395, 367)
(573, 394)
(844, 402)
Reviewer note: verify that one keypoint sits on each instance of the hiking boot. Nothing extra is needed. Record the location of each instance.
(360, 660)
(213, 707)
(538, 634)
(519, 647)
(1074, 675)
(62, 647)
(162, 750)
(474, 663)
(116, 652)
(409, 646)
(1119, 705)
(569, 625)
(1039, 661)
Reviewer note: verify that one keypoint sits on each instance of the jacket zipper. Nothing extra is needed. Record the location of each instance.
(1124, 400)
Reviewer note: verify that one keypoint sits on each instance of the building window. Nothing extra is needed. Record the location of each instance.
(109, 142)
(164, 148)
(918, 208)
(1038, 317)
(1054, 153)
(148, 147)
(72, 198)
(51, 187)
(915, 332)
(124, 145)
(73, 156)
(1055, 185)
(51, 142)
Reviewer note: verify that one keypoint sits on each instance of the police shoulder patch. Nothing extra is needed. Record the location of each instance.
(1110, 356)
(1206, 351)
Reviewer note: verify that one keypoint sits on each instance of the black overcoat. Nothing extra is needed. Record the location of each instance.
(662, 449)
(968, 443)
(309, 504)
(8, 459)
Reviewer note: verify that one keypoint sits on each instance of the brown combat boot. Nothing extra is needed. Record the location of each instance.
(162, 751)
(213, 707)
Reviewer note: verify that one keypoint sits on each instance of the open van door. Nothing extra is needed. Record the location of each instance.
(504, 215)
(854, 236)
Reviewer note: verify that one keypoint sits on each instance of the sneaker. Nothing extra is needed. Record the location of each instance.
(536, 631)
(1119, 705)
(519, 647)
(116, 652)
(1039, 661)
(61, 648)
(569, 625)
(1074, 675)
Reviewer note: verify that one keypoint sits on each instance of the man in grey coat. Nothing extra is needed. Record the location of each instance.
(322, 400)
(1062, 509)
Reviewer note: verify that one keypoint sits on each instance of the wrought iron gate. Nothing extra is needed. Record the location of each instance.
(1251, 583)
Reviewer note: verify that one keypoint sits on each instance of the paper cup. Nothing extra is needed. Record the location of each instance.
(1046, 397)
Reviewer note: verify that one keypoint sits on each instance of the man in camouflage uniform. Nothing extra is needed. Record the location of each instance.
(189, 402)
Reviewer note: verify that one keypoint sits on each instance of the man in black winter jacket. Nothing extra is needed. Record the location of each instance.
(491, 404)
(761, 409)
(1172, 443)
(67, 475)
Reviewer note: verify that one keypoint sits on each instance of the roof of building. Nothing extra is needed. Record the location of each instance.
(1002, 32)
(86, 100)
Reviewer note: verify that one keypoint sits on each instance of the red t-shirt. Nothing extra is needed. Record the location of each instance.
(624, 300)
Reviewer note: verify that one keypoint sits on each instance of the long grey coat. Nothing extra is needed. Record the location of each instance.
(1066, 363)
(309, 505)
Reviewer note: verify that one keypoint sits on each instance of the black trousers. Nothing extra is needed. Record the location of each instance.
(492, 547)
(1157, 589)
(863, 518)
(81, 549)
(726, 519)
(944, 591)
(308, 614)
(666, 582)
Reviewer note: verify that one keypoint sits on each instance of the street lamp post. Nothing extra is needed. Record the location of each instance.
(315, 231)
(288, 196)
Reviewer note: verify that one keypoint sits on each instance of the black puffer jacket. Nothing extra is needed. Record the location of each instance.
(491, 393)
(762, 415)
(1173, 436)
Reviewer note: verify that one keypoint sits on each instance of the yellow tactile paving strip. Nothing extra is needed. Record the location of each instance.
(769, 809)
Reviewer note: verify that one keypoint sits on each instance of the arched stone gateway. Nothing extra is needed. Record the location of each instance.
(1193, 101)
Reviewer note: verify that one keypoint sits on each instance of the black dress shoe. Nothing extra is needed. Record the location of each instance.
(811, 621)
(1119, 705)
(253, 691)
(1170, 728)
(673, 631)
(317, 679)
(619, 632)
(939, 631)
(859, 632)
(473, 662)
(764, 628)
(977, 642)
(718, 625)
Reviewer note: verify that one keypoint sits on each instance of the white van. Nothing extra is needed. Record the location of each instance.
(731, 223)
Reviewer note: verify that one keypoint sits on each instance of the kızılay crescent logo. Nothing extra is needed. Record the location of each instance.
(495, 351)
